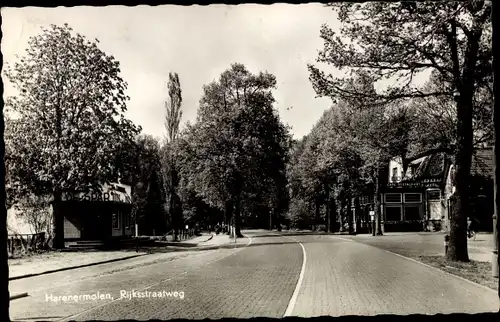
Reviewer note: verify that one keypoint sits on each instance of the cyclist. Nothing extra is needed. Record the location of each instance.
(469, 226)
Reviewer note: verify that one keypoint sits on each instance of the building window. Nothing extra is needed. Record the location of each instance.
(412, 213)
(395, 175)
(392, 213)
(116, 221)
(393, 198)
(128, 219)
(413, 197)
(433, 195)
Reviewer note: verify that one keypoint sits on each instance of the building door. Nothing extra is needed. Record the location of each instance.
(434, 206)
(96, 223)
(104, 221)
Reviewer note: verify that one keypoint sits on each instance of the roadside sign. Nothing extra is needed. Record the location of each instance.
(372, 214)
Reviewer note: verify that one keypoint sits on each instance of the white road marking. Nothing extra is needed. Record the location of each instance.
(73, 316)
(293, 300)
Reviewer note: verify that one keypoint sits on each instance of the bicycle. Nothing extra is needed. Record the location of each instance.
(471, 234)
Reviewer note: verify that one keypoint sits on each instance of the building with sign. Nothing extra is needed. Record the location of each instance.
(98, 215)
(413, 199)
(418, 191)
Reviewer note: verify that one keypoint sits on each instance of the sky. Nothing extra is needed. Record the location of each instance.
(197, 42)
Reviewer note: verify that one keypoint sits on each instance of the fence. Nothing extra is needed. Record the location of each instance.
(23, 243)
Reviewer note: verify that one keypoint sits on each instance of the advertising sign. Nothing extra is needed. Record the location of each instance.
(108, 193)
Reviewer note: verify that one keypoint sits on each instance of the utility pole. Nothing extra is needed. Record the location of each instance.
(496, 107)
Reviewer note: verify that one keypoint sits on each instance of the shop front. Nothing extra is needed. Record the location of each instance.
(413, 205)
(98, 215)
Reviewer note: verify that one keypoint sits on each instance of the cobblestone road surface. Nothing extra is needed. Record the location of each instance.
(344, 277)
(341, 277)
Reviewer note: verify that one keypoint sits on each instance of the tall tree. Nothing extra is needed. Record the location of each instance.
(236, 142)
(68, 118)
(173, 116)
(398, 41)
(4, 287)
(496, 125)
(143, 173)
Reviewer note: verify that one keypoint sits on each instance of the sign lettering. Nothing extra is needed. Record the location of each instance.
(97, 196)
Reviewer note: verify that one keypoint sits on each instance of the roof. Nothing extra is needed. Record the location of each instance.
(482, 162)
(420, 155)
(432, 166)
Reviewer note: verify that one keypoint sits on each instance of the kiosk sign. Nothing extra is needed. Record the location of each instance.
(107, 194)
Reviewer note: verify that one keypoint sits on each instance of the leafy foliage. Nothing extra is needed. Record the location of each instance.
(170, 165)
(67, 121)
(395, 43)
(236, 152)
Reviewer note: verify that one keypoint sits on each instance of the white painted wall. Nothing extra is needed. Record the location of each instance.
(395, 163)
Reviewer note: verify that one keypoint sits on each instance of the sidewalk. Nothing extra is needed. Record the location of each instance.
(56, 261)
(224, 240)
(206, 242)
(59, 261)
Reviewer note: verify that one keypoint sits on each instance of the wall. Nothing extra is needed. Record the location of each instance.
(16, 225)
(398, 164)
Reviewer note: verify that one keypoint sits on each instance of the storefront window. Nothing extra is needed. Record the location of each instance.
(393, 197)
(116, 224)
(412, 213)
(392, 213)
(413, 197)
(433, 195)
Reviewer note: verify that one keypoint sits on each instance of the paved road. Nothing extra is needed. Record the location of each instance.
(426, 244)
(340, 277)
(344, 277)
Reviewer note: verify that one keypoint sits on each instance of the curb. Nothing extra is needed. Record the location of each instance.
(73, 267)
(201, 248)
(17, 296)
(486, 288)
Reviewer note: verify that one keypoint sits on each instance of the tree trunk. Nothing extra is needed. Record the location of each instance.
(327, 208)
(3, 237)
(173, 214)
(357, 211)
(341, 214)
(457, 250)
(496, 110)
(333, 211)
(376, 199)
(270, 212)
(58, 218)
(317, 214)
(237, 216)
(228, 212)
(349, 214)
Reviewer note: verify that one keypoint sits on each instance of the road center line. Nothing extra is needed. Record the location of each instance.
(293, 300)
(73, 316)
